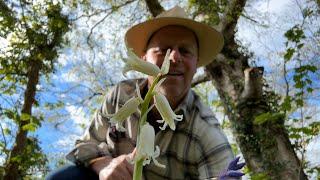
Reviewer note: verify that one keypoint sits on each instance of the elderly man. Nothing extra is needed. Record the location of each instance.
(197, 148)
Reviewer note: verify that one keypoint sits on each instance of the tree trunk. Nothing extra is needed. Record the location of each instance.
(12, 171)
(266, 148)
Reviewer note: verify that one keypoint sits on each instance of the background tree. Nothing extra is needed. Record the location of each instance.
(32, 33)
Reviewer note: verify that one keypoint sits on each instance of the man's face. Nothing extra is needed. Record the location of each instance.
(183, 59)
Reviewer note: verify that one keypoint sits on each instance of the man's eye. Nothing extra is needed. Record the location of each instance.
(164, 50)
(161, 51)
(184, 51)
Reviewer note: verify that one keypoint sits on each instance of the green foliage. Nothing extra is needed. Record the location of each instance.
(211, 10)
(31, 38)
(25, 117)
(32, 160)
(295, 34)
(303, 128)
(32, 32)
(309, 132)
(286, 104)
(30, 127)
(52, 106)
(260, 176)
(289, 53)
(271, 117)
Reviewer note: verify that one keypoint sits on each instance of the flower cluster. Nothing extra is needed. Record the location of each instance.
(146, 149)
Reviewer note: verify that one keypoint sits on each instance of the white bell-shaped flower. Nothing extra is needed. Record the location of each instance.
(166, 63)
(125, 111)
(164, 108)
(145, 148)
(133, 62)
(167, 114)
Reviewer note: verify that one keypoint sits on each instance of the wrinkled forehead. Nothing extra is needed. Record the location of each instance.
(173, 30)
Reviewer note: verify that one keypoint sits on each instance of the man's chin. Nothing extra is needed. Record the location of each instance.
(172, 91)
(173, 79)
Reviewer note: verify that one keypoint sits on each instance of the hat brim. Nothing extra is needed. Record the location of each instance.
(210, 40)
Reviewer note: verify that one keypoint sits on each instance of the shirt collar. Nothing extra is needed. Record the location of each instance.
(186, 105)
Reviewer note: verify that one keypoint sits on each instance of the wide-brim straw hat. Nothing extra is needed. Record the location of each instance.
(209, 39)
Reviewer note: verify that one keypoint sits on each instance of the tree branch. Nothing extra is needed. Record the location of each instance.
(154, 7)
(201, 79)
(113, 9)
(229, 21)
(4, 138)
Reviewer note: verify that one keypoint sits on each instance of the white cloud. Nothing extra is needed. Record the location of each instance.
(313, 152)
(66, 143)
(3, 42)
(76, 114)
(272, 5)
(68, 77)
(2, 160)
(63, 59)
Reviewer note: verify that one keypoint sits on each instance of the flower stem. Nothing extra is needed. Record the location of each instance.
(147, 99)
(138, 165)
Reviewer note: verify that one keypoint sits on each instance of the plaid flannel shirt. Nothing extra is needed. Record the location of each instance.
(197, 149)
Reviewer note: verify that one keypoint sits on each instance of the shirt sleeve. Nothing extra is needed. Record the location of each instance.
(215, 148)
(217, 153)
(95, 142)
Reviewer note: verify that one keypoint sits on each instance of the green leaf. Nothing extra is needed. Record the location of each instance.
(10, 114)
(300, 46)
(307, 131)
(6, 131)
(259, 176)
(307, 12)
(2, 145)
(313, 68)
(286, 105)
(299, 85)
(308, 81)
(294, 136)
(299, 102)
(289, 53)
(30, 127)
(309, 90)
(25, 116)
(277, 116)
(295, 34)
(262, 118)
(308, 117)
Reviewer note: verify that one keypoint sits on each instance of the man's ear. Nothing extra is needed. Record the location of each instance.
(197, 62)
(143, 57)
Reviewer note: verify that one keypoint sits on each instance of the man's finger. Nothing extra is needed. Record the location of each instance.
(133, 153)
(122, 171)
(129, 168)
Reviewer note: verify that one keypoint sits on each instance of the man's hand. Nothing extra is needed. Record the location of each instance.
(114, 168)
(233, 170)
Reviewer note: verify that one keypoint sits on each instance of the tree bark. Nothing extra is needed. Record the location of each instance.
(154, 7)
(205, 77)
(266, 148)
(12, 166)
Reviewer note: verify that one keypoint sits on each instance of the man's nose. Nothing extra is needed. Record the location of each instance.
(175, 55)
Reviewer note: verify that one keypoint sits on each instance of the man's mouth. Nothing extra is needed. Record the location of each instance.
(174, 74)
